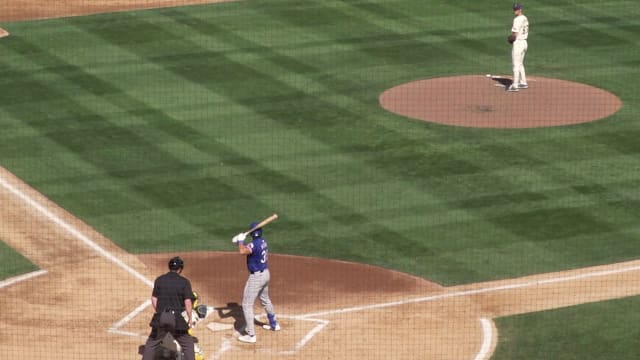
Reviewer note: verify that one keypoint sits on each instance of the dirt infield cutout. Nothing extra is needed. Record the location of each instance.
(482, 101)
(47, 9)
(331, 305)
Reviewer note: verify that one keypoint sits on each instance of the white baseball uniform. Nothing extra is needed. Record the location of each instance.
(519, 50)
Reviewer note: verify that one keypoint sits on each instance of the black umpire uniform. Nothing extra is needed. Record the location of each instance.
(171, 295)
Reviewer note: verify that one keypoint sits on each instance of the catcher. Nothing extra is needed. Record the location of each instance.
(169, 348)
(172, 324)
(199, 313)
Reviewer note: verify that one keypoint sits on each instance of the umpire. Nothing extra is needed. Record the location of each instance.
(171, 296)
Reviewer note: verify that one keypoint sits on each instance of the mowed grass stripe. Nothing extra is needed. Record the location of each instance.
(258, 189)
(293, 91)
(369, 39)
(111, 160)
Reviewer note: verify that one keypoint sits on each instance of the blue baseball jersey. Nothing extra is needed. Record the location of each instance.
(257, 260)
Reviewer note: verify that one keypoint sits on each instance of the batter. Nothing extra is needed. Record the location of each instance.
(518, 38)
(257, 285)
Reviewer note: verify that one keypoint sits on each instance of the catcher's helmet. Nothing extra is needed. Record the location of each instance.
(257, 232)
(201, 311)
(176, 263)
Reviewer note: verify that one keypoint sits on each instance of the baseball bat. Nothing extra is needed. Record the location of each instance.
(262, 223)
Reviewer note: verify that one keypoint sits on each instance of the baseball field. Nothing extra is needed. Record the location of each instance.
(424, 212)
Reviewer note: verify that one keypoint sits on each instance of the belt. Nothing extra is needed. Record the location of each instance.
(256, 272)
(173, 311)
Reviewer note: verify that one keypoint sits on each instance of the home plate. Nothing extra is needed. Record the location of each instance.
(215, 326)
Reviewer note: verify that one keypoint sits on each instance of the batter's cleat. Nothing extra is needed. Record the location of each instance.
(512, 88)
(251, 339)
(273, 323)
(523, 86)
(271, 327)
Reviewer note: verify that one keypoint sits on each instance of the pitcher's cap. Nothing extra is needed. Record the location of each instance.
(517, 6)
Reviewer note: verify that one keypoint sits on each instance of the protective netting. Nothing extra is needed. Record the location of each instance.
(424, 211)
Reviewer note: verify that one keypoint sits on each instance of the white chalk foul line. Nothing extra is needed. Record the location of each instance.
(462, 293)
(487, 330)
(91, 244)
(16, 279)
(74, 232)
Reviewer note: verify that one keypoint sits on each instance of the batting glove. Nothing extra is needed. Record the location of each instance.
(239, 238)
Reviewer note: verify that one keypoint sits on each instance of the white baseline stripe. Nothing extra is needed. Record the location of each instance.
(476, 291)
(16, 279)
(73, 231)
(87, 241)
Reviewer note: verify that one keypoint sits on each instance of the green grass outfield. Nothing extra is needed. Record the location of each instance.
(172, 129)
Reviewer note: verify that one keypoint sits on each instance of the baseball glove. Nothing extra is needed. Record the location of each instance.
(511, 38)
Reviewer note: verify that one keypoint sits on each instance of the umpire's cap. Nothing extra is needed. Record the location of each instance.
(176, 263)
(257, 232)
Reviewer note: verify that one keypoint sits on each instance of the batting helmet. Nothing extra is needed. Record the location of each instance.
(176, 263)
(257, 232)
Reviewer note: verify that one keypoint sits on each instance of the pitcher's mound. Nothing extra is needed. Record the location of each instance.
(482, 101)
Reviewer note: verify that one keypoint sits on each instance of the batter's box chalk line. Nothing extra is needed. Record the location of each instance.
(20, 278)
(225, 346)
(321, 324)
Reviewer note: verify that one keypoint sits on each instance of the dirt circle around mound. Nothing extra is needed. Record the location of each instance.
(482, 101)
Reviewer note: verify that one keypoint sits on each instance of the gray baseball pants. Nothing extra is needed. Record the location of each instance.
(257, 285)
